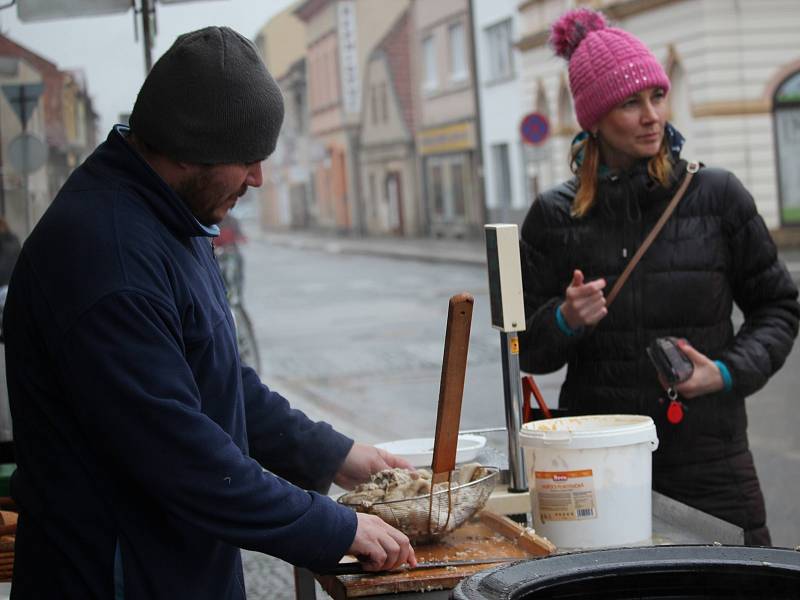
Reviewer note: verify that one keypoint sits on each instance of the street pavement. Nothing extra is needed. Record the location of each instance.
(457, 251)
(326, 372)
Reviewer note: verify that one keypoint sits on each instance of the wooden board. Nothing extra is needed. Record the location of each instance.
(473, 540)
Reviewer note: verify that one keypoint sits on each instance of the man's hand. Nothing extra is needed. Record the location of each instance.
(584, 303)
(379, 546)
(362, 461)
(706, 378)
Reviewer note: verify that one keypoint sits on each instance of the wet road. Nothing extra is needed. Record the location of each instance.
(358, 341)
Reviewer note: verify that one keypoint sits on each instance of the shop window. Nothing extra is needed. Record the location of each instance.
(459, 192)
(450, 190)
(373, 197)
(437, 189)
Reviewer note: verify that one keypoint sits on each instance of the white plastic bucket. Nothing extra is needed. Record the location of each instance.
(590, 479)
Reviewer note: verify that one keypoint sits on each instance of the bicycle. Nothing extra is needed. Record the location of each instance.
(231, 266)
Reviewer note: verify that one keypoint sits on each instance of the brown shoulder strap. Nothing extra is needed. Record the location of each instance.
(691, 169)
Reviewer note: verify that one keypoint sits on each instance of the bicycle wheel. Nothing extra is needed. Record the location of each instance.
(246, 338)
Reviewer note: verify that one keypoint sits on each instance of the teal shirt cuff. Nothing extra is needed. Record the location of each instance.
(727, 380)
(562, 323)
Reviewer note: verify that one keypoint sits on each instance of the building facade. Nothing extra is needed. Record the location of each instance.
(47, 126)
(286, 198)
(340, 35)
(502, 110)
(388, 158)
(734, 68)
(448, 133)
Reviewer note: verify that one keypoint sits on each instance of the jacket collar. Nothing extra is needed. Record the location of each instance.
(132, 172)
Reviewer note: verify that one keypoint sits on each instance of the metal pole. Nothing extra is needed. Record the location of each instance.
(2, 179)
(512, 392)
(23, 116)
(476, 98)
(147, 34)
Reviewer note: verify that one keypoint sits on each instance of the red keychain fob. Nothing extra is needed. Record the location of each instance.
(675, 412)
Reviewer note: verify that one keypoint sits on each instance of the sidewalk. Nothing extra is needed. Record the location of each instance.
(467, 251)
(471, 251)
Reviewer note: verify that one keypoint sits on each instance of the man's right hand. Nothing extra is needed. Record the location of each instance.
(379, 546)
(585, 304)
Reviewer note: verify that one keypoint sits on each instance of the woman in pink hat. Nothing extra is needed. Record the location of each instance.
(714, 250)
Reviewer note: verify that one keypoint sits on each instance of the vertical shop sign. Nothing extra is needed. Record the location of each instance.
(348, 56)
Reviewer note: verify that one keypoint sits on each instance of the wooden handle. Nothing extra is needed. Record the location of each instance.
(525, 538)
(451, 389)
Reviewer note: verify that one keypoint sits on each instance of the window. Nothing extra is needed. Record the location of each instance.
(373, 97)
(457, 180)
(499, 48)
(789, 91)
(502, 175)
(458, 58)
(566, 114)
(373, 197)
(437, 188)
(680, 106)
(450, 190)
(542, 106)
(299, 111)
(384, 103)
(787, 133)
(430, 80)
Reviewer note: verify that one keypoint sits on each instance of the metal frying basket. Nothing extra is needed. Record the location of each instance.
(428, 517)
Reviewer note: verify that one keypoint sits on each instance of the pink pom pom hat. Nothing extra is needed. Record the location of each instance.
(606, 64)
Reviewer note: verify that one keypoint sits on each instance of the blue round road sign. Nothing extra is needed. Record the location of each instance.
(534, 128)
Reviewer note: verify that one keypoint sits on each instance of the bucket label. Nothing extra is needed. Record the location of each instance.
(565, 495)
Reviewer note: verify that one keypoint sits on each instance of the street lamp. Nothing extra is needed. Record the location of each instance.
(47, 10)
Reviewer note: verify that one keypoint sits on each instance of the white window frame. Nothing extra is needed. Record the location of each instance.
(499, 50)
(457, 47)
(430, 80)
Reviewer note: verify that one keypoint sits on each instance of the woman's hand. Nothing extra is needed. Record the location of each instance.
(706, 378)
(585, 304)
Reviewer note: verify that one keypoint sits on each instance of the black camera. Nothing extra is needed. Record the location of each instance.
(669, 360)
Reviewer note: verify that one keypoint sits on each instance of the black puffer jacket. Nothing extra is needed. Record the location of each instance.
(715, 250)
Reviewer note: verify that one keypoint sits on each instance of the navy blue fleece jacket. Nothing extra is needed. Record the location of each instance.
(140, 438)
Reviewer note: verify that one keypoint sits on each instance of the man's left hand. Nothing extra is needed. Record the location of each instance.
(362, 461)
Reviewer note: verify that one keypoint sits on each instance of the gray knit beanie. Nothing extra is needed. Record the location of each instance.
(209, 99)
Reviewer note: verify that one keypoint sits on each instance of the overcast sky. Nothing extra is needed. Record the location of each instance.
(106, 49)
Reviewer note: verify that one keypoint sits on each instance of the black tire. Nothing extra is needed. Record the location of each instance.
(246, 339)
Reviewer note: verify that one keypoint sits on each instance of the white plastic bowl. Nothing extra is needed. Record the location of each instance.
(419, 451)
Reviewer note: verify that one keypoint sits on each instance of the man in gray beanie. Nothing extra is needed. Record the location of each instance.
(147, 454)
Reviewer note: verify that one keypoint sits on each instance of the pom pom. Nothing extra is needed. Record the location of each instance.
(568, 32)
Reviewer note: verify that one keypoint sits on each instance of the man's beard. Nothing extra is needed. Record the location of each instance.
(198, 193)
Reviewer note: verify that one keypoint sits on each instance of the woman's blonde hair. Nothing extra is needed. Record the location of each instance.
(585, 163)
